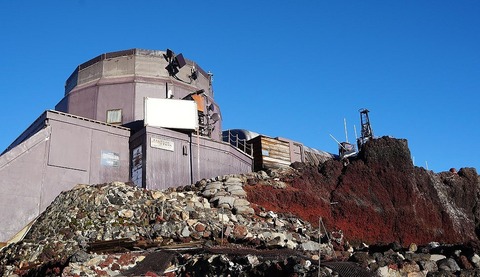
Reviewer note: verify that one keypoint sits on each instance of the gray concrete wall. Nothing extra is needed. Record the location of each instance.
(67, 151)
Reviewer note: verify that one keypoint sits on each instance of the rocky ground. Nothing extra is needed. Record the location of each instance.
(364, 218)
(107, 229)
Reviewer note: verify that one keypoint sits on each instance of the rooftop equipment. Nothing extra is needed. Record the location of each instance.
(174, 62)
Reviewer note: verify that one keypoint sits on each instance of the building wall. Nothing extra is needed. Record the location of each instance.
(67, 151)
(270, 153)
(60, 150)
(152, 66)
(116, 96)
(296, 150)
(168, 158)
(122, 80)
(81, 102)
(217, 158)
(144, 90)
(171, 158)
(21, 172)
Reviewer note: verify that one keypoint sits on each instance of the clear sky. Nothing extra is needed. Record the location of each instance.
(293, 69)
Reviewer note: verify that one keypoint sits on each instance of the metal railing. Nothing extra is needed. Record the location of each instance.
(238, 142)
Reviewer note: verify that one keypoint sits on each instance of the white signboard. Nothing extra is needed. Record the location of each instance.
(171, 113)
(162, 144)
(110, 159)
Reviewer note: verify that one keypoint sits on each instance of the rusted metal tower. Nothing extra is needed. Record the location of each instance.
(367, 132)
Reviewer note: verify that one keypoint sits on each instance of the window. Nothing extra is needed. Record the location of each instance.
(114, 116)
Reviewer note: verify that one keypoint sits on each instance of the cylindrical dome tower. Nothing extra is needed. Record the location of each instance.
(112, 87)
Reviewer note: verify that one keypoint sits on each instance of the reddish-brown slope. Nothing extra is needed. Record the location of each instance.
(380, 197)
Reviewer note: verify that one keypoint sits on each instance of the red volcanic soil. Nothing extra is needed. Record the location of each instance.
(379, 197)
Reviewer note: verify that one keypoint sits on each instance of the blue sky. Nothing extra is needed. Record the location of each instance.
(293, 69)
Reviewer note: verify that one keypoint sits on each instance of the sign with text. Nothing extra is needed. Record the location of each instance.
(162, 144)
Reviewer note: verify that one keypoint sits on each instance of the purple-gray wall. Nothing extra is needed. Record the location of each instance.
(171, 158)
(65, 151)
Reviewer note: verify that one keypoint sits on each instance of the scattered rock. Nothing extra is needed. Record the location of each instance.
(448, 264)
(475, 259)
(219, 215)
(310, 246)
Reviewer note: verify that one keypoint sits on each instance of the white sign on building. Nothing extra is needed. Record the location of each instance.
(110, 159)
(162, 144)
(171, 113)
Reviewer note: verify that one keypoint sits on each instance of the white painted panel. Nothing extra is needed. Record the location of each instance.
(171, 113)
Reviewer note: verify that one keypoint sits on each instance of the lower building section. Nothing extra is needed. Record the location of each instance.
(54, 154)
(163, 158)
(59, 151)
(271, 153)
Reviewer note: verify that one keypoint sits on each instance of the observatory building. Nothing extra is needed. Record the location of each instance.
(143, 116)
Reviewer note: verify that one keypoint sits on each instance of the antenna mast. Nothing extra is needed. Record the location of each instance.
(345, 126)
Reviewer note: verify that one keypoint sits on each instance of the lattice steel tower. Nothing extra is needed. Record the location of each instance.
(367, 132)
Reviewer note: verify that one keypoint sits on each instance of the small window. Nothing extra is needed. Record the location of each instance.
(114, 116)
